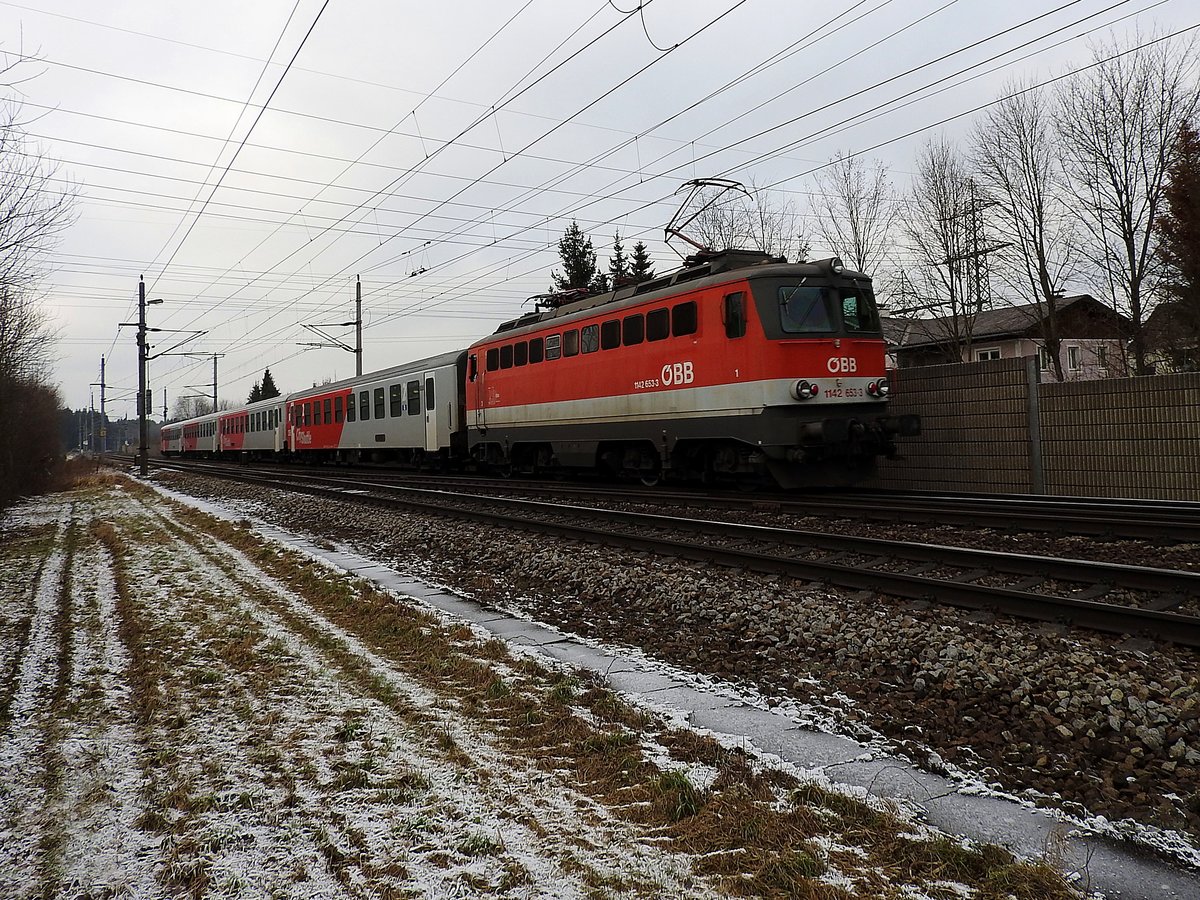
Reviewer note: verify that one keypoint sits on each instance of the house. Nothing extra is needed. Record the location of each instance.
(1172, 338)
(1092, 337)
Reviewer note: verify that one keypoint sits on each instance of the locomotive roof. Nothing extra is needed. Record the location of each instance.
(703, 271)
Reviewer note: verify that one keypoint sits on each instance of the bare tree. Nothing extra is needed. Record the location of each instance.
(856, 212)
(1118, 123)
(190, 406)
(1017, 161)
(936, 222)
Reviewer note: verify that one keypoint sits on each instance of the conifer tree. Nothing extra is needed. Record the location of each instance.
(255, 393)
(641, 267)
(618, 263)
(1179, 232)
(578, 261)
(269, 389)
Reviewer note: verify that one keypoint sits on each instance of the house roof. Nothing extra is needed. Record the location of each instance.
(989, 324)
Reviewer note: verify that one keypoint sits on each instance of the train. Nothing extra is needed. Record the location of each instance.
(737, 367)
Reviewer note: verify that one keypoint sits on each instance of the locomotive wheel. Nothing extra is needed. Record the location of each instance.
(651, 479)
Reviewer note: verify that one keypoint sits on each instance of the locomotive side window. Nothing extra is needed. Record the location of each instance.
(414, 398)
(520, 353)
(364, 405)
(395, 400)
(350, 407)
(658, 324)
(337, 410)
(633, 330)
(493, 359)
(328, 404)
(804, 310)
(734, 315)
(858, 311)
(683, 318)
(610, 334)
(570, 343)
(535, 350)
(553, 346)
(379, 403)
(506, 356)
(589, 338)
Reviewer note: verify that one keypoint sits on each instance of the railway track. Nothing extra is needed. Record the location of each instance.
(1155, 520)
(1103, 596)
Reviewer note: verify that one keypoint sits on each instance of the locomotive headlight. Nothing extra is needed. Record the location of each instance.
(879, 388)
(804, 390)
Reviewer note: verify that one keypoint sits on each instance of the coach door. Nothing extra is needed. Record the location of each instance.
(431, 414)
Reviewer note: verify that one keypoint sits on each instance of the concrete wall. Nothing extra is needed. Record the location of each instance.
(985, 430)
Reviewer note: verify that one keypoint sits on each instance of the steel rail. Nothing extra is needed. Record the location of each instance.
(1081, 612)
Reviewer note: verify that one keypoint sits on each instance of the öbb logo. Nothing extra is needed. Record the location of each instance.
(677, 373)
(841, 364)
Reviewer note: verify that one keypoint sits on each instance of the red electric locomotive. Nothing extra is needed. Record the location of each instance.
(739, 365)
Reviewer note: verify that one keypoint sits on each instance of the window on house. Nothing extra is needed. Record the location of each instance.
(987, 353)
(1101, 356)
(1044, 360)
(1074, 358)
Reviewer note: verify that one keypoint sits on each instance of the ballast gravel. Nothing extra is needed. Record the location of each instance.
(1082, 721)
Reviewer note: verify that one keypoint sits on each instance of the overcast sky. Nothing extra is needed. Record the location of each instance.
(438, 150)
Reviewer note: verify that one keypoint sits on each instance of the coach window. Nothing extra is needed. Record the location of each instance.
(364, 405)
(553, 346)
(589, 338)
(428, 395)
(307, 413)
(520, 353)
(350, 407)
(379, 403)
(633, 330)
(570, 343)
(395, 400)
(658, 324)
(328, 410)
(337, 410)
(493, 359)
(610, 334)
(733, 313)
(506, 356)
(683, 318)
(414, 398)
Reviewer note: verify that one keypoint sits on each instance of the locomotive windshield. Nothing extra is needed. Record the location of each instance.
(813, 309)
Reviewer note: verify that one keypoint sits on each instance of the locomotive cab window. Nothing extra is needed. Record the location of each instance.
(733, 313)
(414, 398)
(589, 338)
(683, 318)
(536, 351)
(859, 312)
(553, 346)
(804, 310)
(610, 334)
